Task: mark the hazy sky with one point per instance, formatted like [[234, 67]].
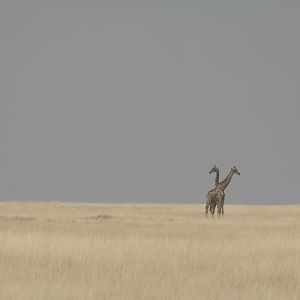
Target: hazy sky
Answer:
[[134, 101]]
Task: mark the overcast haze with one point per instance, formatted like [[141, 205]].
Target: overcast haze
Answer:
[[135, 101]]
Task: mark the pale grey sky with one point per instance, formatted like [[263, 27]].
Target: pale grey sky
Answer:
[[134, 101]]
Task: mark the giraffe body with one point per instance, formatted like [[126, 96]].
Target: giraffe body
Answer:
[[214, 198], [213, 204]]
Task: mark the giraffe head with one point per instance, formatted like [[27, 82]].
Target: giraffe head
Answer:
[[235, 170], [214, 169]]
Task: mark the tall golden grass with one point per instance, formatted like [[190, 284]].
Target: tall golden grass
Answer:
[[94, 251]]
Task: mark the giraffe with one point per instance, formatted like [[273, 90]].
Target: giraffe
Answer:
[[216, 196], [216, 170]]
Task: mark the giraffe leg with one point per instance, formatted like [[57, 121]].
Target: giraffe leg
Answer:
[[219, 213], [223, 206], [213, 207], [208, 203], [219, 206]]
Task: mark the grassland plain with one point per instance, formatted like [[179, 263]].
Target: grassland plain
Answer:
[[147, 251]]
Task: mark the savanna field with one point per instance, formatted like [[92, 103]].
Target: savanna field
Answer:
[[135, 251]]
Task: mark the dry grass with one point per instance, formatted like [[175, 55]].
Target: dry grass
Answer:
[[92, 251]]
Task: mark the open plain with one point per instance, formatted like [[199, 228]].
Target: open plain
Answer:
[[148, 251]]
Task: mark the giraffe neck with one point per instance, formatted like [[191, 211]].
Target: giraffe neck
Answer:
[[217, 177], [227, 180]]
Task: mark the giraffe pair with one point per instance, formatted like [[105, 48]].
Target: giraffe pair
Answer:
[[216, 196]]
